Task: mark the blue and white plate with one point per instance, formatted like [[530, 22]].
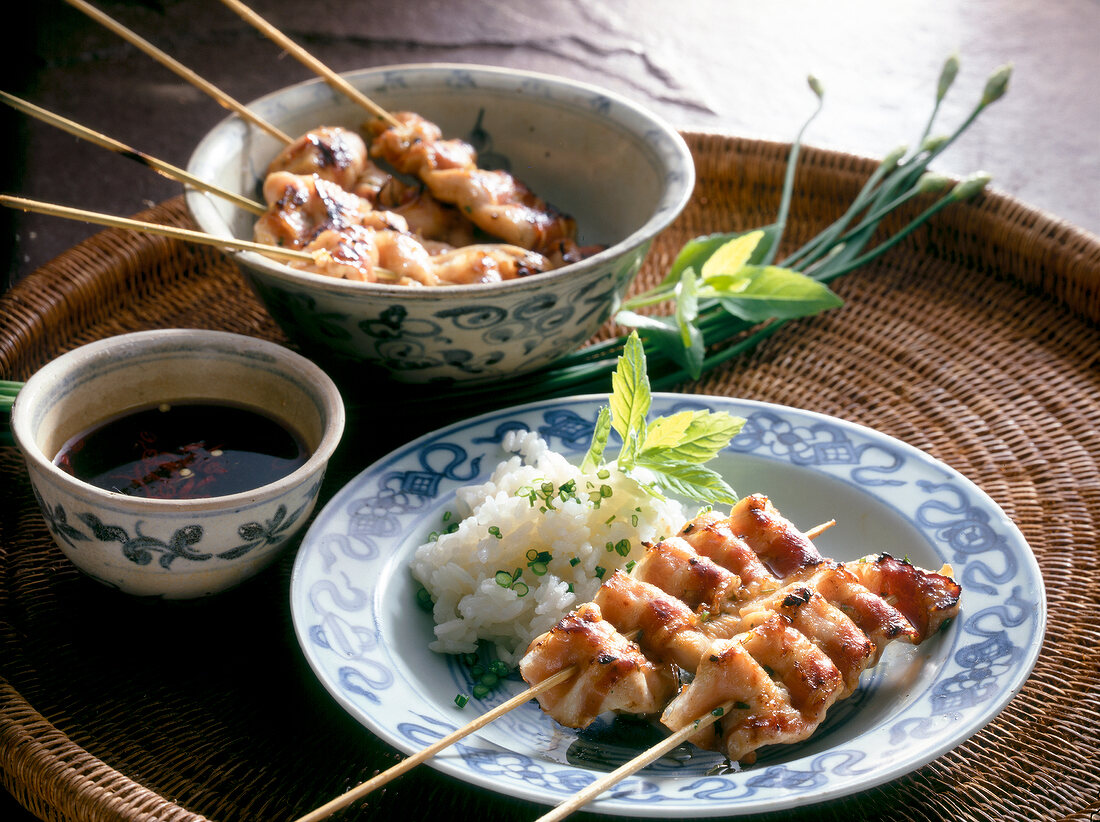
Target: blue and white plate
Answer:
[[354, 607]]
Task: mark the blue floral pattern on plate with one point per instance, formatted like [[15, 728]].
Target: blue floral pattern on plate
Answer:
[[352, 600]]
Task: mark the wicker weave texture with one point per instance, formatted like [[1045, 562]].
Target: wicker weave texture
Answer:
[[976, 340]]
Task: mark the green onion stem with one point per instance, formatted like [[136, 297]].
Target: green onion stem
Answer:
[[829, 235], [890, 242], [788, 178]]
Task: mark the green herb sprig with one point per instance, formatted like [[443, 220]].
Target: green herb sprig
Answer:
[[671, 449]]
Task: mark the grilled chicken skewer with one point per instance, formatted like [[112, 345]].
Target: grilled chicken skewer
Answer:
[[315, 214], [792, 635], [339, 156], [493, 200]]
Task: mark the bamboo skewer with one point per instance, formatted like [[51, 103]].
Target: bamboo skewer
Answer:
[[381, 779], [111, 144], [152, 228], [596, 788], [180, 69], [315, 65], [186, 234], [586, 795]]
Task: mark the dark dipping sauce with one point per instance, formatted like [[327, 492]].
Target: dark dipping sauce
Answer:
[[184, 451]]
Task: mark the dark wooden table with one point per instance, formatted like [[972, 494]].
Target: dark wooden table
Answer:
[[712, 65]]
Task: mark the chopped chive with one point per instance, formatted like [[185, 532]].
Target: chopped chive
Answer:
[[480, 691], [461, 700], [622, 547], [603, 474], [532, 554], [718, 711], [600, 571], [503, 578], [495, 531], [499, 668], [424, 599], [575, 561], [489, 680], [630, 565], [521, 589], [538, 568]]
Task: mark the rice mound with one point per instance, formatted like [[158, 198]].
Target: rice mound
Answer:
[[459, 567]]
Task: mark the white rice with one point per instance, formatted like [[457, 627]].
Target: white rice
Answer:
[[459, 567]]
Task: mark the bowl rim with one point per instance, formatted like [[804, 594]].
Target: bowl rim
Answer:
[[199, 203], [312, 377]]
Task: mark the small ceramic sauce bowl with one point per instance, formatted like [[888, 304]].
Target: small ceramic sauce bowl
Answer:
[[174, 548]]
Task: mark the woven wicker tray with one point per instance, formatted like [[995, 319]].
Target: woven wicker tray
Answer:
[[977, 340]]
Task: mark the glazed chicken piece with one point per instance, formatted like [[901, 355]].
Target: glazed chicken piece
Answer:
[[782, 548], [370, 255], [432, 221], [332, 153], [926, 599], [494, 201], [300, 207], [822, 622], [779, 683], [697, 581], [612, 674], [710, 535], [667, 630], [675, 567], [487, 263]]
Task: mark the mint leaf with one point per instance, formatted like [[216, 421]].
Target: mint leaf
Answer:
[[696, 252], [690, 480], [702, 435], [668, 432], [760, 293], [672, 448], [600, 433], [732, 256], [630, 399]]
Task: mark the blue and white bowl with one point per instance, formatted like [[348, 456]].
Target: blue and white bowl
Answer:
[[619, 170], [175, 549]]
